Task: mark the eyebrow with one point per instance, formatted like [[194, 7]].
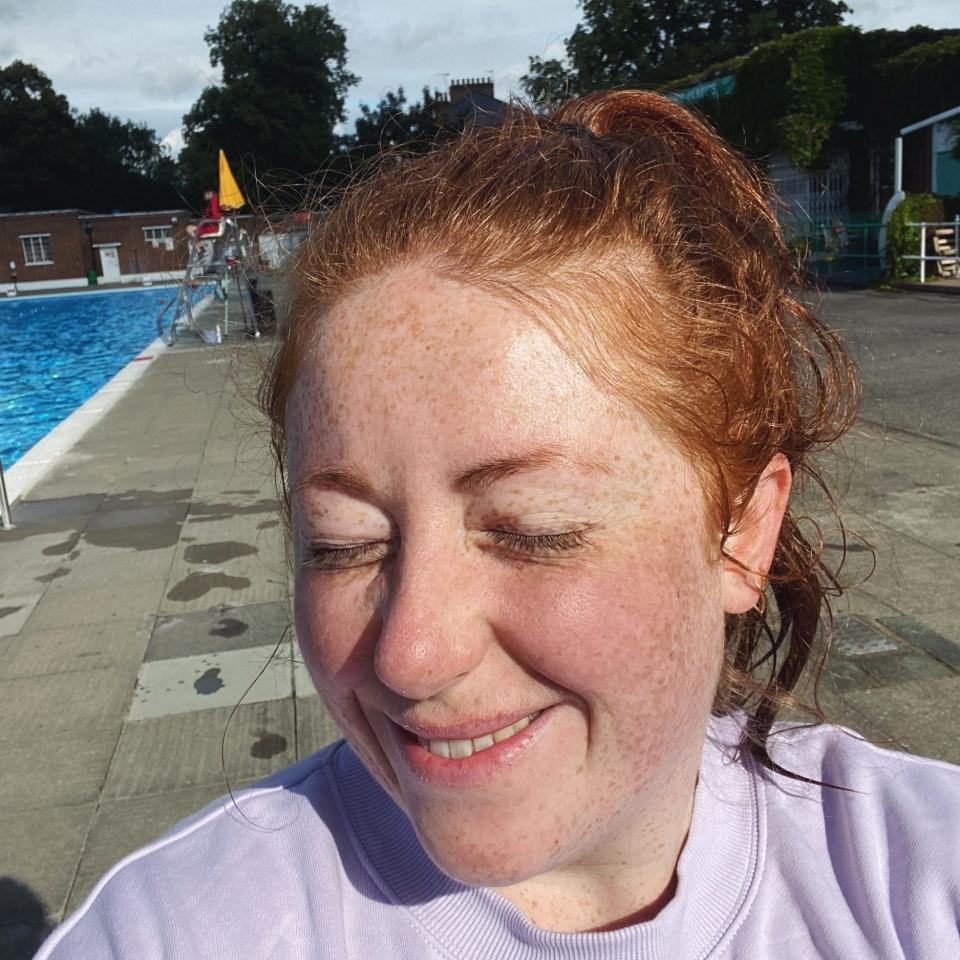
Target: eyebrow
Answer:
[[474, 479], [349, 480], [486, 474]]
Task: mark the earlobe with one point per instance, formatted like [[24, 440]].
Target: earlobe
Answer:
[[750, 548]]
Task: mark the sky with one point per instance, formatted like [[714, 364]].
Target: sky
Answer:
[[147, 61]]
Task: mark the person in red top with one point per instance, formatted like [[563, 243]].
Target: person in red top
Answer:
[[209, 227], [212, 214]]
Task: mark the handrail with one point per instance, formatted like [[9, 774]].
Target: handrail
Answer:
[[5, 520]]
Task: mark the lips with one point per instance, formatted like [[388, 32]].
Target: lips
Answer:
[[461, 748]]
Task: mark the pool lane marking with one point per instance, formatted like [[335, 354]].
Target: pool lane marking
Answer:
[[47, 452]]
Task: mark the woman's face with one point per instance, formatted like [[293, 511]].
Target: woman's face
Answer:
[[506, 591]]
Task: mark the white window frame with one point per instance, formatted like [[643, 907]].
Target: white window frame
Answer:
[[30, 248], [158, 236]]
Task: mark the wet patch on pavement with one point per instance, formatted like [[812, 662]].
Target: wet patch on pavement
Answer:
[[217, 629], [267, 745], [196, 585], [219, 552]]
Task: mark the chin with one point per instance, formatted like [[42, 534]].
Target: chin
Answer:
[[496, 860]]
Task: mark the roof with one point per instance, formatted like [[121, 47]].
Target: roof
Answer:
[[478, 107]]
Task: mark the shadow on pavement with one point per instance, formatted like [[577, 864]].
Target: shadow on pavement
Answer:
[[23, 921]]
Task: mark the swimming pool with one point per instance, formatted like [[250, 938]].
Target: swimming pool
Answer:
[[57, 351]]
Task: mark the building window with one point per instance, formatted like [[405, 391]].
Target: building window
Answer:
[[36, 249], [158, 237]]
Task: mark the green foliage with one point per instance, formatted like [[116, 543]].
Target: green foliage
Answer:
[[792, 94], [283, 83], [816, 92], [395, 123], [789, 95], [901, 239], [38, 136], [919, 82], [655, 41], [125, 166], [549, 82], [51, 158]]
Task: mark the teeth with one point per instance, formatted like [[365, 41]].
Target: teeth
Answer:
[[461, 749]]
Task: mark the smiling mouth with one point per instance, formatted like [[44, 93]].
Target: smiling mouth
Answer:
[[461, 749]]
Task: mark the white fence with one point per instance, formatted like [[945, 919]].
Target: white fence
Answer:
[[944, 237], [811, 198]]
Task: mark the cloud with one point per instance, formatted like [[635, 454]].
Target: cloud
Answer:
[[173, 141], [175, 80]]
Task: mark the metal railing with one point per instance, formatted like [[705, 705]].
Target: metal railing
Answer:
[[924, 257], [5, 520], [841, 247]]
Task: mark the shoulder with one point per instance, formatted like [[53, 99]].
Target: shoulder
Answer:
[[857, 860], [868, 774], [204, 880], [881, 829]]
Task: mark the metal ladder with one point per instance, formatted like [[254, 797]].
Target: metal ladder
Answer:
[[216, 259]]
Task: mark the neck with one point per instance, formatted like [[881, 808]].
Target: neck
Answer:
[[630, 887]]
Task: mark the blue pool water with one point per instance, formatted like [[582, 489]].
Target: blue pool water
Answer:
[[57, 351]]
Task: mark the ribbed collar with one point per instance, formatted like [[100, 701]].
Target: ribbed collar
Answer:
[[717, 873]]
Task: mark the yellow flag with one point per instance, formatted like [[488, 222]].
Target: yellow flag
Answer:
[[230, 196]]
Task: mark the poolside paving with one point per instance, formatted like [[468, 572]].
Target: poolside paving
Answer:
[[144, 594]]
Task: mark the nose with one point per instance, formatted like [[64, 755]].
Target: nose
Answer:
[[433, 631]]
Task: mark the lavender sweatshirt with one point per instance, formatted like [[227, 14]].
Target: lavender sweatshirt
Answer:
[[317, 862]]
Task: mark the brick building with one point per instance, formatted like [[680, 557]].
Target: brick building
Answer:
[[49, 249]]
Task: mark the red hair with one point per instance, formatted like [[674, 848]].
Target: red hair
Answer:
[[653, 252]]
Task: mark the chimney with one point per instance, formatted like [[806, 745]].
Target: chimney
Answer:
[[461, 89]]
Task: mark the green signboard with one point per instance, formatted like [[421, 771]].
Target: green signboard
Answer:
[[717, 87]]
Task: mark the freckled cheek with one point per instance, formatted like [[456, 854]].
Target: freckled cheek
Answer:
[[650, 639], [334, 633]]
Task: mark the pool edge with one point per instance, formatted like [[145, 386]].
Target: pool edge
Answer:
[[47, 452]]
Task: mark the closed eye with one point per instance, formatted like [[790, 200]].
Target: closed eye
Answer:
[[539, 544], [329, 556]]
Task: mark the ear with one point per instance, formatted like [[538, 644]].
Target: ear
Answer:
[[750, 549]]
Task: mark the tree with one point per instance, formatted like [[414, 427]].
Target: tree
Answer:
[[280, 96], [654, 41], [395, 123], [549, 82], [38, 141], [125, 165], [52, 158]]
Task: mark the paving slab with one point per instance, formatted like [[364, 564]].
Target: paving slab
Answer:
[[218, 629], [209, 680], [32, 512], [96, 567], [922, 636], [184, 750], [315, 726], [100, 646], [853, 637], [41, 848], [33, 706], [55, 768], [923, 714], [15, 611], [66, 607]]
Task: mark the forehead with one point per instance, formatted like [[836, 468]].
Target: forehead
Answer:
[[413, 336], [412, 371]]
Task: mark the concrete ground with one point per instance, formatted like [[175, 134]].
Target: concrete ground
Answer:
[[145, 602]]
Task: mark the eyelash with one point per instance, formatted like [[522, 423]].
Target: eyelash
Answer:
[[326, 558], [535, 543]]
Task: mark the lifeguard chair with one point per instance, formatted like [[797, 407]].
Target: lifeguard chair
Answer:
[[216, 259]]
